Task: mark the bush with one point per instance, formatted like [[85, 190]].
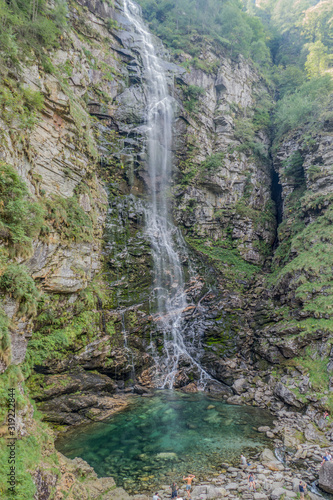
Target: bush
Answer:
[[213, 162], [68, 218], [19, 284], [4, 338], [191, 95], [27, 25], [20, 219], [293, 167], [304, 105], [181, 23]]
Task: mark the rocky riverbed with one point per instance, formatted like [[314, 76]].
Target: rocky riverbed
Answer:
[[297, 448]]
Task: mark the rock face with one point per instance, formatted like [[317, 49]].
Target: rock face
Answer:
[[91, 323], [326, 477], [212, 205]]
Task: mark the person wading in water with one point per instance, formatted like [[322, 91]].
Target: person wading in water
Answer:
[[189, 480]]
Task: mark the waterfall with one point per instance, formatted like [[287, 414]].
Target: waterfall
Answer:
[[169, 287]]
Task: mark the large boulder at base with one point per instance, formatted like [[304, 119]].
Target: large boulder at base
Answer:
[[326, 477]]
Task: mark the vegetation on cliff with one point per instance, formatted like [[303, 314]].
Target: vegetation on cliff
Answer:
[[188, 25], [294, 52]]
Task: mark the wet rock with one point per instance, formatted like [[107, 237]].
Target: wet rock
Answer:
[[190, 388], [215, 387], [81, 408], [166, 456], [51, 386], [313, 496], [234, 400], [139, 389]]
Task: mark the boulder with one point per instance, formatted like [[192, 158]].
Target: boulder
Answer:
[[267, 456], [311, 434], [138, 389], [277, 493], [234, 400], [264, 428], [215, 492], [198, 492], [276, 485], [275, 466], [326, 477], [232, 486], [295, 483], [313, 496], [240, 385], [166, 456], [286, 395]]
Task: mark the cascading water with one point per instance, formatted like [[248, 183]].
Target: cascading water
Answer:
[[169, 289]]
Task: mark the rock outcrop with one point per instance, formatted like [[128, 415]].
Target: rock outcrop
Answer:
[[326, 477], [76, 291]]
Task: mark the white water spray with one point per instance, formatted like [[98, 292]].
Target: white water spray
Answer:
[[169, 290]]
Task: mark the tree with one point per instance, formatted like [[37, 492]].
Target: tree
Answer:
[[318, 59], [318, 23]]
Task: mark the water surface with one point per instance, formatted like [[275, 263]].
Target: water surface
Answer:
[[159, 439]]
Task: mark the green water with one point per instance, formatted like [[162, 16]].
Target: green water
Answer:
[[195, 432]]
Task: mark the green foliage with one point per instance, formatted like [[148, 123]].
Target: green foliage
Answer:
[[191, 96], [112, 24], [303, 259], [245, 132], [20, 219], [61, 329], [288, 79], [4, 337], [302, 46], [181, 23], [66, 216], [16, 281], [29, 448], [302, 106], [212, 163], [19, 107], [227, 260], [317, 23], [293, 168], [28, 24], [318, 60], [313, 172]]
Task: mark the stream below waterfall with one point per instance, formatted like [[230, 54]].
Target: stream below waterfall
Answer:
[[160, 438]]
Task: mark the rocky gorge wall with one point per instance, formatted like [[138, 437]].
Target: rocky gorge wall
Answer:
[[79, 332]]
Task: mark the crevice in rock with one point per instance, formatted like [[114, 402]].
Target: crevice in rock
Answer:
[[276, 193]]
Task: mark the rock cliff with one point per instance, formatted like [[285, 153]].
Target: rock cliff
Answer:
[[75, 263]]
